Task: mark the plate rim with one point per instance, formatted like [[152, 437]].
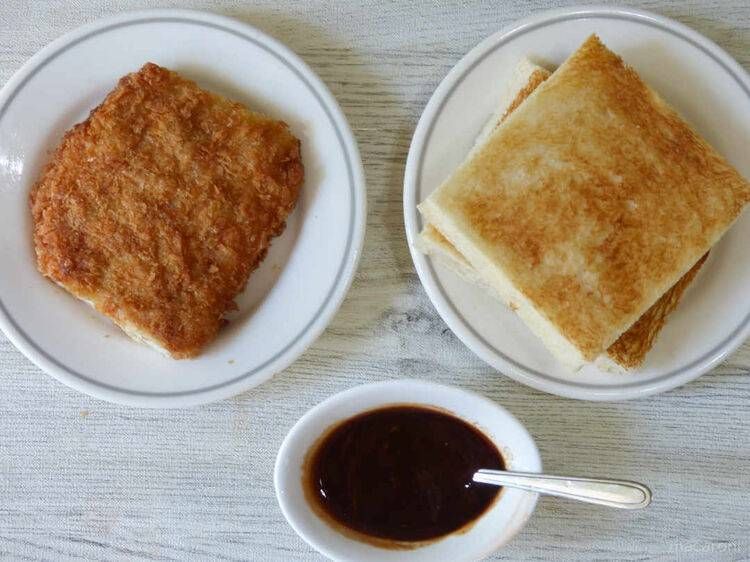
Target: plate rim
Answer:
[[347, 267], [424, 266]]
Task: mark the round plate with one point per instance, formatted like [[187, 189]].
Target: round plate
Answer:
[[289, 300], [703, 83]]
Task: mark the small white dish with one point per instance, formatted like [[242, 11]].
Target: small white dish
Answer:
[[704, 83], [289, 300], [492, 530]]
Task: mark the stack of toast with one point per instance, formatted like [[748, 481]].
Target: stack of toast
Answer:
[[587, 205]]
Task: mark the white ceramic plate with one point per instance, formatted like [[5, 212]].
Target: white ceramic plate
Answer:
[[698, 78], [288, 301], [494, 528]]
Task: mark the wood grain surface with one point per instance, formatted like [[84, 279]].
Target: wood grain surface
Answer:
[[84, 479]]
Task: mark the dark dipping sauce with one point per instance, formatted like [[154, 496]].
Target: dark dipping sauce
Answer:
[[401, 474]]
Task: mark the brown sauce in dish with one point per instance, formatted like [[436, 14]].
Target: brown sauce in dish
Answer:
[[400, 474]]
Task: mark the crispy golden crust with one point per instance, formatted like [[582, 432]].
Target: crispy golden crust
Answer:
[[594, 197], [535, 80], [159, 206], [631, 348]]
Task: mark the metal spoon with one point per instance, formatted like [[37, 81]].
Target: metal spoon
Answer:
[[614, 493]]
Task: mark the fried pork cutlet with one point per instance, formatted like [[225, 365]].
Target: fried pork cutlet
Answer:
[[158, 207]]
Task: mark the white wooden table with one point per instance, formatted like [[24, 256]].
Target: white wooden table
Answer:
[[83, 479]]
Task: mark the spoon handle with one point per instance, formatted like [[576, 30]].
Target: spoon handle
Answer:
[[614, 493]]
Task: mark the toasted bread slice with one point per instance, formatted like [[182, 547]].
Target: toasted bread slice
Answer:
[[433, 243], [587, 204], [156, 209], [524, 80], [630, 349]]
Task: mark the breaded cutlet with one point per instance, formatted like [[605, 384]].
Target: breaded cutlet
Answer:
[[158, 207]]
